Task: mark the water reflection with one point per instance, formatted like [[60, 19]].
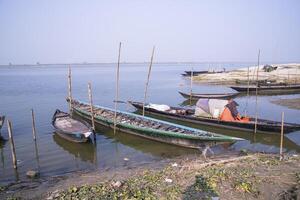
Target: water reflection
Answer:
[[83, 151]]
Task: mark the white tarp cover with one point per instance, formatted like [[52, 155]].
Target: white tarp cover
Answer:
[[210, 107], [160, 107]]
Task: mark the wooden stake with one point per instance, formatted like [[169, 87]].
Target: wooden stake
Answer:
[[281, 135], [147, 82], [248, 75], [12, 144], [117, 88], [70, 90], [191, 86], [256, 93], [92, 108], [33, 125]]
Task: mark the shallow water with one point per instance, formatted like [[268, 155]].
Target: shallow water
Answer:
[[44, 88]]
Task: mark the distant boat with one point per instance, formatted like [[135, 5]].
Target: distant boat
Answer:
[[149, 128], [196, 96], [269, 88], [69, 128], [196, 73], [187, 115]]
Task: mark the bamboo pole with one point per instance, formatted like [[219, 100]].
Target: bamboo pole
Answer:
[[248, 85], [256, 93], [117, 88], [33, 125], [191, 85], [147, 82], [92, 108], [281, 136], [12, 144], [70, 90]]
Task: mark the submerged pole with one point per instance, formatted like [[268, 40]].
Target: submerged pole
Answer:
[[12, 144], [256, 93], [33, 125], [281, 136], [147, 82], [191, 85], [117, 88], [92, 109], [70, 90]]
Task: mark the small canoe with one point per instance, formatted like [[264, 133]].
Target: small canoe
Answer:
[[69, 128], [2, 120], [187, 115], [196, 96], [269, 88], [149, 128]]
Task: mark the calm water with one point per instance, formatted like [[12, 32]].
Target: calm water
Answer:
[[44, 88]]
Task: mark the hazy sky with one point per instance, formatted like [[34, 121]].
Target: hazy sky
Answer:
[[63, 31]]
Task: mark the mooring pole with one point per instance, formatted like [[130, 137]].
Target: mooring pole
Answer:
[[256, 93], [12, 144], [191, 85], [281, 136], [117, 88], [33, 125], [248, 75], [147, 82], [92, 109], [70, 90]]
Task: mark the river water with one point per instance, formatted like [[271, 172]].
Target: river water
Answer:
[[44, 89]]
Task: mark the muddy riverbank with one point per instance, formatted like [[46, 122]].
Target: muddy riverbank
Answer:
[[290, 103], [233, 176]]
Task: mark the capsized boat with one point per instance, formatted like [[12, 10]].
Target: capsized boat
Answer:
[[149, 128], [188, 115], [69, 128], [195, 96]]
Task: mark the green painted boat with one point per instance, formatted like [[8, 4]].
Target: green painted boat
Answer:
[[149, 128]]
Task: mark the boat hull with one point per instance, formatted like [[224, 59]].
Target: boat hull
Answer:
[[75, 135], [184, 140], [276, 89], [195, 96]]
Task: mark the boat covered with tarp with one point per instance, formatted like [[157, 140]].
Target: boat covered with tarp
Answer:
[[215, 113]]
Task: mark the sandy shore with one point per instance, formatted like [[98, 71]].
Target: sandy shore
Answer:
[[288, 73], [232, 176]]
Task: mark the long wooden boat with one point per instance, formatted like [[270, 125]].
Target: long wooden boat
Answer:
[[69, 128], [196, 96], [269, 88], [187, 115], [2, 120], [149, 128]]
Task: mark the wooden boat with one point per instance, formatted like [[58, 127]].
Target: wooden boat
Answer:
[[195, 73], [269, 88], [149, 128], [2, 120], [69, 128], [196, 96], [187, 115]]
